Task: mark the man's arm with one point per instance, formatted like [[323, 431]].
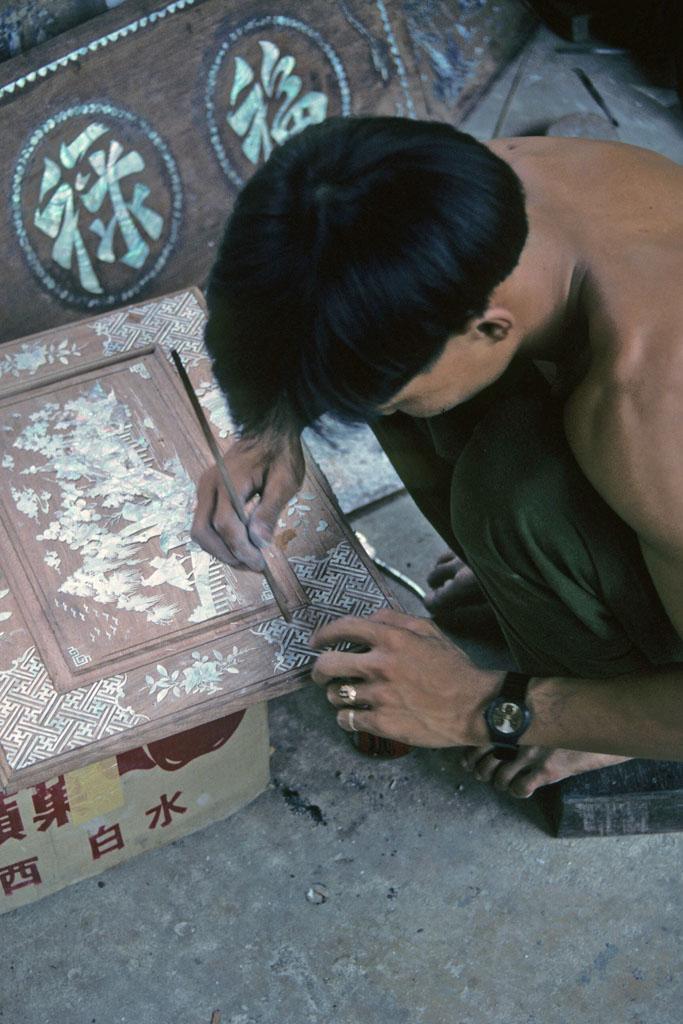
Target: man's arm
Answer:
[[637, 715], [420, 688], [423, 690], [628, 440]]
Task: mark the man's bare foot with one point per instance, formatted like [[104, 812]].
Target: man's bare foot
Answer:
[[453, 585], [458, 605], [533, 767]]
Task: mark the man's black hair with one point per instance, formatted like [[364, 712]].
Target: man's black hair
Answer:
[[350, 257]]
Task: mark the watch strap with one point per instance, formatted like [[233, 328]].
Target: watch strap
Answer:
[[505, 751], [515, 686]]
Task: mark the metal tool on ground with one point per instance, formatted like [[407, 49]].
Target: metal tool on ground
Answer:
[[235, 499], [594, 94], [604, 51], [395, 574]]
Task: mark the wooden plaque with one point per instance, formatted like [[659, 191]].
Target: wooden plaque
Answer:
[[117, 452], [126, 139], [115, 627]]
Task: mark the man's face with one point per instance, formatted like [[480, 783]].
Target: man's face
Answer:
[[467, 365]]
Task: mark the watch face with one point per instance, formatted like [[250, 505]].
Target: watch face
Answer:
[[507, 717]]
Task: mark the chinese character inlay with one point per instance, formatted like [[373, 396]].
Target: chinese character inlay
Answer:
[[97, 204], [74, 188], [250, 121]]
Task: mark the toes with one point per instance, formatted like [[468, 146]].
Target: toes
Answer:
[[526, 783], [518, 777], [440, 575], [445, 569], [480, 761], [487, 767], [471, 755], [532, 768], [507, 771]]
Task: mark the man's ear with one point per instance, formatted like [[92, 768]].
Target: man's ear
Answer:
[[496, 323]]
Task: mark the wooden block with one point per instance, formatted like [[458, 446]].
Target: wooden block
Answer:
[[569, 18], [115, 627], [632, 798]]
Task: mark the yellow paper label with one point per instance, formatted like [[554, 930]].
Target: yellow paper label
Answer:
[[94, 790]]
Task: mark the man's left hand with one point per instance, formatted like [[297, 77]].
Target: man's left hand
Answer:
[[412, 683]]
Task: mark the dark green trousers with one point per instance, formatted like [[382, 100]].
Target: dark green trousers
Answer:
[[563, 573]]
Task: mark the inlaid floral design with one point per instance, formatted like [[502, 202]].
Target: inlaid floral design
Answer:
[[297, 506], [36, 354], [203, 675]]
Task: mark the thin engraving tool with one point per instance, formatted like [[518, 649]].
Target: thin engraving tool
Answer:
[[267, 554]]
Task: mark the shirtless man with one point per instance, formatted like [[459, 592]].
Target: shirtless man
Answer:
[[537, 422]]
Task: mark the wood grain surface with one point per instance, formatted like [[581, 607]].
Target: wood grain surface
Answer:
[[633, 798]]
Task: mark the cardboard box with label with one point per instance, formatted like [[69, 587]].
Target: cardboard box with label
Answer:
[[80, 823]]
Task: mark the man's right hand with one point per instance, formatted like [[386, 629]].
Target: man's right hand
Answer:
[[271, 468]]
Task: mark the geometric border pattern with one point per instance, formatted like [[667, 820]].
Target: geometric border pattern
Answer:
[[74, 56], [336, 584], [97, 44], [36, 722], [175, 321]]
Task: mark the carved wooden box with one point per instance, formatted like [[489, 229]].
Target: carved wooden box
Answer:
[[114, 624]]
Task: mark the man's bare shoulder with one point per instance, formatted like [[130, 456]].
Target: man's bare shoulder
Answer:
[[623, 423], [602, 193], [627, 435]]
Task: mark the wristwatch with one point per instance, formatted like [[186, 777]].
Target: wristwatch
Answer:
[[508, 716]]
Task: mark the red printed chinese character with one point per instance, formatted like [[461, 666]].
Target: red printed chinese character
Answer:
[[166, 807], [11, 825], [106, 839], [24, 870], [51, 804]]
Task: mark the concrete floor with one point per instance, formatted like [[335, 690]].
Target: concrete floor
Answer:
[[447, 902]]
